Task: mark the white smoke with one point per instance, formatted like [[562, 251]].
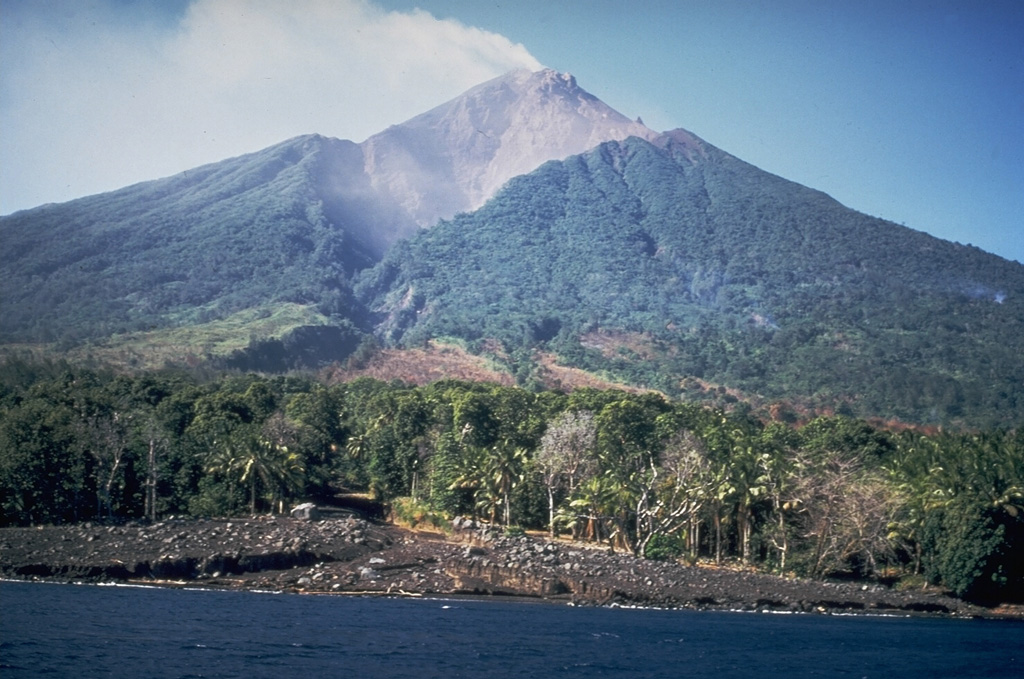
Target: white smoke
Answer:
[[97, 95]]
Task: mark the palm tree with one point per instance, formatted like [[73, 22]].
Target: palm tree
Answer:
[[505, 467], [280, 471], [593, 502], [745, 485], [251, 459], [468, 473]]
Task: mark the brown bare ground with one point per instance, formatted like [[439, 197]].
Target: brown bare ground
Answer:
[[564, 378], [421, 366], [609, 343]]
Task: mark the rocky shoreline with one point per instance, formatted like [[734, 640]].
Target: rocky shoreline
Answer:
[[350, 555]]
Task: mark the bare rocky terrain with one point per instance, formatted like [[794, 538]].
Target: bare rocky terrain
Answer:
[[349, 555]]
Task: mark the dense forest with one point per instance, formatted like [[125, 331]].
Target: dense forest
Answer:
[[661, 478], [644, 263]]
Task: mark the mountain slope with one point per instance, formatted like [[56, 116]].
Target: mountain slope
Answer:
[[289, 224], [242, 233], [454, 157], [658, 259], [671, 260]]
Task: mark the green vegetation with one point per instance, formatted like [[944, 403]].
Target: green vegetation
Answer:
[[746, 305], [204, 246], [233, 336], [673, 267], [659, 478], [720, 272]]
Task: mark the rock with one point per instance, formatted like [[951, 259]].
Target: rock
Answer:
[[230, 554], [307, 511]]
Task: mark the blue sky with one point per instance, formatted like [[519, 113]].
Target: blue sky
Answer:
[[908, 110]]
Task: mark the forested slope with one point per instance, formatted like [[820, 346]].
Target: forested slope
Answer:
[[717, 270], [253, 231]]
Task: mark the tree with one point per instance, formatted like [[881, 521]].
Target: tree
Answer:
[[392, 433], [155, 437], [745, 486], [675, 491], [967, 493], [253, 459], [845, 514], [104, 436], [43, 477], [720, 434], [970, 551], [503, 472], [779, 469], [566, 455], [627, 440], [852, 437], [321, 410], [445, 490], [467, 473], [594, 503]]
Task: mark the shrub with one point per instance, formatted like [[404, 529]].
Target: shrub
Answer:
[[414, 514], [970, 552], [664, 548]]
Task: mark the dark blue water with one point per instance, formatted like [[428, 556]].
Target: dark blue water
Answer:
[[89, 631]]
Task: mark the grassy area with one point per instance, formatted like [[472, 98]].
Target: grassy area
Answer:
[[188, 344]]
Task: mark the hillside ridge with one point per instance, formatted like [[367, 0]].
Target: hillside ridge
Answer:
[[738, 277], [551, 217]]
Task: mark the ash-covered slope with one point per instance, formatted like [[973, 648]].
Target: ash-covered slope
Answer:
[[672, 264], [455, 157]]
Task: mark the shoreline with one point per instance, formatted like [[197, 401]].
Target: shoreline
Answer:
[[355, 557], [524, 600], [477, 598]]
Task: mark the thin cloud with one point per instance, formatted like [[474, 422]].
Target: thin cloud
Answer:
[[94, 99]]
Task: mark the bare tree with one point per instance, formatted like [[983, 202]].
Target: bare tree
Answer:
[[872, 509], [844, 514], [780, 470], [566, 456], [105, 437], [156, 440], [674, 491]]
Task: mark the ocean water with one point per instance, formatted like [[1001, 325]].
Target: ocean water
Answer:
[[82, 631]]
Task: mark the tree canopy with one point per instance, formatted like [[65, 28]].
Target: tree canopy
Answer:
[[636, 472]]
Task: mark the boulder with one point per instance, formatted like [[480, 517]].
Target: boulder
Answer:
[[307, 511]]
